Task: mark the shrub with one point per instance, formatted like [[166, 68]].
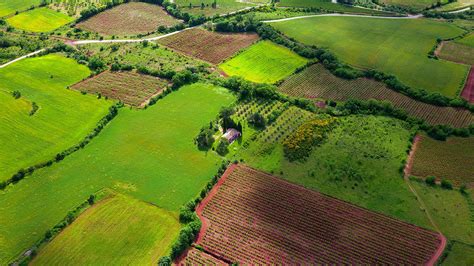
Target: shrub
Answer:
[[257, 120], [446, 184], [16, 94], [431, 180], [164, 261], [205, 138], [222, 147]]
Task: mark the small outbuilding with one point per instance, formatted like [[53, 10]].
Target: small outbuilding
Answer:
[[231, 134]]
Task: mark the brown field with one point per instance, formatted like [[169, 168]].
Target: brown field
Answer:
[[209, 46], [128, 19], [129, 87], [254, 218], [452, 159], [457, 52], [194, 256], [468, 90], [317, 82]]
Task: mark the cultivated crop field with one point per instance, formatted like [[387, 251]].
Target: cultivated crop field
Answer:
[[63, 117], [197, 257], [263, 62], [209, 46], [393, 46], [451, 159], [129, 19], [150, 164], [457, 52], [418, 4], [468, 91], [96, 237], [223, 6], [252, 214], [127, 86], [39, 20], [9, 7], [317, 82], [329, 5]]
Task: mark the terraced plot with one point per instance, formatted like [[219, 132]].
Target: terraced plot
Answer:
[[142, 153], [394, 46], [118, 230], [39, 20], [63, 119], [129, 18], [264, 62], [256, 218], [209, 46], [129, 87], [451, 159], [317, 82]]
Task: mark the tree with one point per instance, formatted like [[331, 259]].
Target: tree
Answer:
[[16, 94], [430, 180], [95, 63], [164, 261], [205, 138], [203, 5], [446, 184], [257, 120], [222, 148]]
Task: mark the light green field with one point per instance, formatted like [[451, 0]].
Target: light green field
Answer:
[[394, 46], [359, 162], [468, 40], [39, 20], [116, 231], [450, 210], [142, 153], [460, 255], [417, 4], [223, 6], [328, 5], [8, 7], [458, 4], [263, 62], [63, 119]]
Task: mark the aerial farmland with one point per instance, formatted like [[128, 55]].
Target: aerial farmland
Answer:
[[229, 132]]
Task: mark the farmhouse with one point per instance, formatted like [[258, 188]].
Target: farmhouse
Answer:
[[231, 134]]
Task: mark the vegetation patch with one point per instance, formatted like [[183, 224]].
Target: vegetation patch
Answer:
[[317, 82], [118, 230], [393, 46], [253, 207], [264, 62], [39, 20], [63, 119], [150, 164], [127, 86], [460, 254], [130, 18], [451, 159], [208, 45]]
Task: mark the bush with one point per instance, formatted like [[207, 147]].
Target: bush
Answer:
[[205, 138], [222, 147], [16, 94], [431, 180], [164, 261], [257, 120], [446, 184]]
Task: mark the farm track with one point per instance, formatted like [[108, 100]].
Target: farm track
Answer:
[[21, 58], [248, 205]]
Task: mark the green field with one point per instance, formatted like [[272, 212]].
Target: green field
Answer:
[[149, 154], [394, 46], [467, 40], [223, 6], [263, 62], [328, 5], [359, 162], [450, 211], [8, 7], [417, 4], [63, 119], [118, 230], [456, 52], [456, 5], [460, 255], [39, 20]]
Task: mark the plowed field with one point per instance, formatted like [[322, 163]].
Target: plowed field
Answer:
[[254, 218]]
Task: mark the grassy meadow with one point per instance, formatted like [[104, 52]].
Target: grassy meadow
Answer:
[[63, 119], [118, 230], [328, 5], [467, 40], [151, 164], [8, 7], [263, 62], [417, 4], [460, 255], [39, 20], [394, 46], [359, 162]]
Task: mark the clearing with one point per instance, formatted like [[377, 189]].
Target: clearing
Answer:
[[39, 20], [118, 230], [150, 164], [256, 218], [63, 119], [263, 62], [317, 82], [451, 159], [129, 19], [128, 86], [207, 45], [394, 46]]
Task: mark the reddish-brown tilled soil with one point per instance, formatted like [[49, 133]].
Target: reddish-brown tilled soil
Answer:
[[468, 91], [209, 46], [129, 87], [255, 218], [128, 19], [194, 256]]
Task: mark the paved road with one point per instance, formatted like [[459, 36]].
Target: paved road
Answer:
[[460, 10], [341, 15], [20, 58]]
